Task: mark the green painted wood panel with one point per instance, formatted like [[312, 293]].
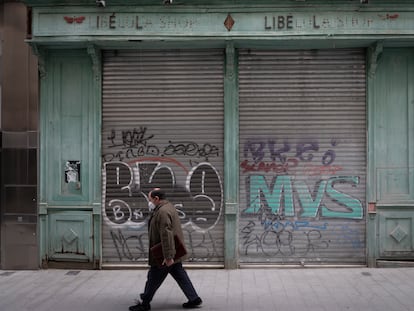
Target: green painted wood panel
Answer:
[[396, 233], [392, 127], [231, 156], [225, 3], [70, 118], [71, 236], [224, 23], [68, 130], [283, 24]]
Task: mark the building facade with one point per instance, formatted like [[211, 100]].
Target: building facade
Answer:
[[19, 141], [281, 130]]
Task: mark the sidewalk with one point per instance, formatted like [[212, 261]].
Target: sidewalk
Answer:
[[322, 289]]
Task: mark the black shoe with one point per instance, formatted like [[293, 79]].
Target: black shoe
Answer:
[[140, 307], [193, 304]]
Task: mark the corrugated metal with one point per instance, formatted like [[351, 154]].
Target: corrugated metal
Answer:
[[302, 156], [162, 126]]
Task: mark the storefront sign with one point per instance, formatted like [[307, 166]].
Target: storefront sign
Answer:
[[222, 24]]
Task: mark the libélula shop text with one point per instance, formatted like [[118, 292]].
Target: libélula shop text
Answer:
[[269, 22]]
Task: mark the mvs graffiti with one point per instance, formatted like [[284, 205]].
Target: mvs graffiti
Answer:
[[280, 175], [283, 189]]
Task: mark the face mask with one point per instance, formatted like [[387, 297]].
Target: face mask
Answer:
[[151, 206]]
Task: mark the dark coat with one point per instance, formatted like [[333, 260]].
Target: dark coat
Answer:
[[163, 225]]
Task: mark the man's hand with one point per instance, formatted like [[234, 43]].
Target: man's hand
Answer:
[[168, 262]]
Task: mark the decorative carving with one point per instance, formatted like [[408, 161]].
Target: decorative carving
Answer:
[[71, 20], [229, 22], [374, 54], [398, 234], [389, 16], [96, 61], [41, 63], [70, 235]]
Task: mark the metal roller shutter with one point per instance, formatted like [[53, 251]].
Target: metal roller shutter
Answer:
[[302, 156], [162, 127]]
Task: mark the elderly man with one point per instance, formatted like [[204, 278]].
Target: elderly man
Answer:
[[163, 226]]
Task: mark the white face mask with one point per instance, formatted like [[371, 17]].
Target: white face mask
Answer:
[[151, 206]]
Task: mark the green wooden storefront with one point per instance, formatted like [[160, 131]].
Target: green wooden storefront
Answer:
[[282, 129]]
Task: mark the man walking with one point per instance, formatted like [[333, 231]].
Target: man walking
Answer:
[[163, 225]]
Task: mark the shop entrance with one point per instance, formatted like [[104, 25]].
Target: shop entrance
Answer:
[[162, 127], [302, 157]]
